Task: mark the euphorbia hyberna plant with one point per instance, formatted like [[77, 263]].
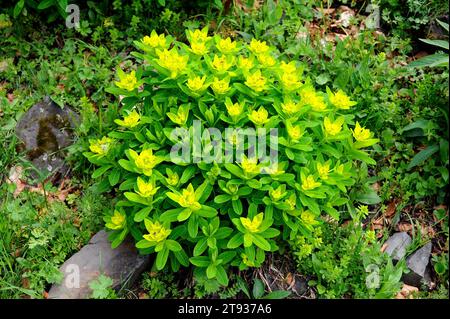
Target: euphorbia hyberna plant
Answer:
[[217, 215]]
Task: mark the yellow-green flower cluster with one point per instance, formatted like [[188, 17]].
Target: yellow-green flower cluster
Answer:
[[101, 146], [156, 232], [173, 61]]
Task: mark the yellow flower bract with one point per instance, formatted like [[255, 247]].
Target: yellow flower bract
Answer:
[[333, 128], [259, 117], [258, 47], [309, 183], [220, 86], [223, 63], [250, 165], [146, 189], [226, 46], [172, 61], [127, 81], [340, 100], [196, 84], [187, 198], [360, 133], [146, 161], [118, 221], [130, 121], [252, 225], [156, 232], [256, 81], [101, 146], [155, 40]]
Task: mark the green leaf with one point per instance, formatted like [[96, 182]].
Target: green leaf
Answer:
[[237, 206], [211, 271], [362, 156], [235, 170], [235, 241], [437, 43], [223, 198], [185, 214], [258, 289], [277, 294], [100, 171], [417, 125], [443, 24], [170, 215], [173, 245], [200, 247], [142, 214], [193, 227], [437, 59], [161, 258], [127, 165], [423, 155], [114, 177], [369, 198], [45, 4], [206, 211], [18, 8], [142, 244], [221, 276], [270, 233], [200, 261], [261, 242], [133, 197], [182, 257], [119, 239], [187, 174], [101, 287], [201, 190]]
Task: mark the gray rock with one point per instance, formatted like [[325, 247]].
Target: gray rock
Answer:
[[122, 264], [45, 130], [397, 244], [300, 286], [418, 266]]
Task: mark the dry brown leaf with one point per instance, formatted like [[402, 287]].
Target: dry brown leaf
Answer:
[[390, 210], [289, 279], [404, 227], [376, 186], [406, 292], [15, 175], [142, 295]]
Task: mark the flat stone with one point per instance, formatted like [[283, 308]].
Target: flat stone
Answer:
[[45, 131], [418, 266], [396, 245], [300, 286], [122, 264]]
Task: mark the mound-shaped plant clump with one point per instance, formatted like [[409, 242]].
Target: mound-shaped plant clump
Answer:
[[224, 201]]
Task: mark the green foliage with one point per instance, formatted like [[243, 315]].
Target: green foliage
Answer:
[[346, 260], [216, 215], [436, 59], [408, 16], [258, 292], [102, 288], [160, 285], [21, 6], [440, 264], [38, 236]]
